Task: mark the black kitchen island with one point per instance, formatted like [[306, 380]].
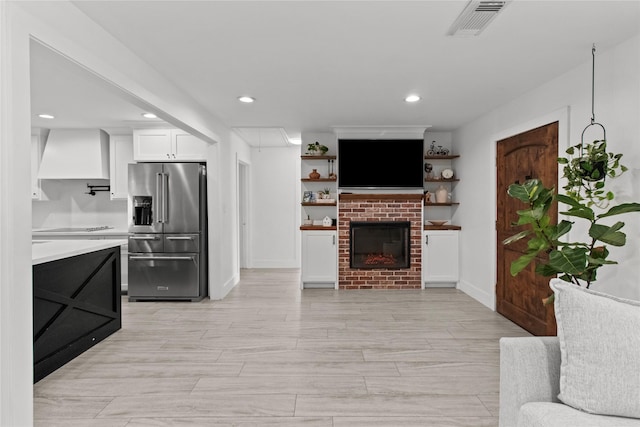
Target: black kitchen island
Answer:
[[76, 299]]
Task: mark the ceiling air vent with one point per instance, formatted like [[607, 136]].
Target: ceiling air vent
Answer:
[[475, 17]]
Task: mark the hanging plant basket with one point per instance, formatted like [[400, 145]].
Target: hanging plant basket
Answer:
[[592, 171]]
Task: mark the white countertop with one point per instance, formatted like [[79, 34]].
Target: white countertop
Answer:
[[39, 233], [50, 250]]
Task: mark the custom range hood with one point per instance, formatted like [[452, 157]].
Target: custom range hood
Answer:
[[75, 154]]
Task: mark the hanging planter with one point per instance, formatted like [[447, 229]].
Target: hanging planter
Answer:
[[592, 170]]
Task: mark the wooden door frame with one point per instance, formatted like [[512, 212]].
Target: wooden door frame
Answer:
[[562, 117]]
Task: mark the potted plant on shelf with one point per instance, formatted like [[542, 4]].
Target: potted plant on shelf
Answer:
[[326, 193], [586, 169], [317, 149]]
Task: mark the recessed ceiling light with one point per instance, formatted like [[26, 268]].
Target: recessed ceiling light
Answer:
[[246, 99], [149, 116], [412, 98], [46, 116]]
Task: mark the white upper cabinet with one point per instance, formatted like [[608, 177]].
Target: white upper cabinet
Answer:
[[120, 155], [152, 144], [166, 145], [187, 147]]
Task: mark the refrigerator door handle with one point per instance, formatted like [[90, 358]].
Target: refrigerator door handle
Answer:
[[165, 197], [144, 238], [179, 238], [160, 258], [159, 195]]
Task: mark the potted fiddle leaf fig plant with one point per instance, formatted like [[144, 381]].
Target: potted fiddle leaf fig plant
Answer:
[[586, 169]]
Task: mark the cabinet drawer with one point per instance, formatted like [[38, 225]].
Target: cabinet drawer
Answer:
[[163, 276], [145, 243], [181, 243]]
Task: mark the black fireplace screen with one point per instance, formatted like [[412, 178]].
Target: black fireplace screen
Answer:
[[377, 244]]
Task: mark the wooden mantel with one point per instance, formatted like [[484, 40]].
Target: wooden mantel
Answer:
[[362, 196]]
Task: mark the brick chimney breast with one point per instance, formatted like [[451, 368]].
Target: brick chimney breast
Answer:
[[380, 207]]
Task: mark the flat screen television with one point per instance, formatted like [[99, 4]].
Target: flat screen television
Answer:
[[380, 163]]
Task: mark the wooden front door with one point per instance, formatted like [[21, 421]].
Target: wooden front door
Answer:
[[531, 154]]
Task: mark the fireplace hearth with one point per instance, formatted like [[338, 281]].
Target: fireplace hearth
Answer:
[[379, 244]]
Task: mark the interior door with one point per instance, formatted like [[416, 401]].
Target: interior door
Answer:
[[531, 154]]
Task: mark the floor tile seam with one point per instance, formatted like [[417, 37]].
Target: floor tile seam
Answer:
[[97, 415], [130, 363], [485, 405], [40, 393]]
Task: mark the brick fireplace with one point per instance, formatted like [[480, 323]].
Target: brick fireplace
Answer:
[[380, 208]]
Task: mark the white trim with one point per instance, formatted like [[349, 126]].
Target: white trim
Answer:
[[560, 115], [380, 132], [485, 298], [243, 209], [16, 297]]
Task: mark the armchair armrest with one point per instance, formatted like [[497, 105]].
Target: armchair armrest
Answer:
[[529, 372]]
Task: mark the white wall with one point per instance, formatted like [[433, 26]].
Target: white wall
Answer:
[[617, 107], [68, 205], [275, 207]]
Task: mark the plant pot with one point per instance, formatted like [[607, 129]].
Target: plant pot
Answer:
[[592, 171]]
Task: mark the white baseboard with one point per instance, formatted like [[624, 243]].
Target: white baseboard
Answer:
[[225, 289], [278, 263], [440, 285], [478, 294]]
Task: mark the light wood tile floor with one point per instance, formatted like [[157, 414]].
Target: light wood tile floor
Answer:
[[270, 354]]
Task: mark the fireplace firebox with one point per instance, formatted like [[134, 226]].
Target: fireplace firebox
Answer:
[[379, 244]]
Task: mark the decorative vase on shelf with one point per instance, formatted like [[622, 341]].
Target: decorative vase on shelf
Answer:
[[314, 174], [441, 194]]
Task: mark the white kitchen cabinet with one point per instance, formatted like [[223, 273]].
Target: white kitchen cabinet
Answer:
[[38, 140], [319, 259], [120, 155], [167, 145], [36, 156], [187, 147], [440, 258]]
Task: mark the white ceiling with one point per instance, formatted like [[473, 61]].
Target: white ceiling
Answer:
[[316, 65]]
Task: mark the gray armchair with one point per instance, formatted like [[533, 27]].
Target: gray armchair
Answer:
[[530, 384]]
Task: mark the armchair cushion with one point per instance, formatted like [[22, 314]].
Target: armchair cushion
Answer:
[[529, 372], [547, 414], [600, 350]]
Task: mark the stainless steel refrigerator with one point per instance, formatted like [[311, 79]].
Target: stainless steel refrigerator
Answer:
[[167, 208]]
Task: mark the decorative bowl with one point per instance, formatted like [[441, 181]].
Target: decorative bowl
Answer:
[[438, 222]]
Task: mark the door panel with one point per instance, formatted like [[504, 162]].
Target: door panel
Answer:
[[144, 192], [531, 154], [182, 193], [145, 243], [181, 243], [163, 276]]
